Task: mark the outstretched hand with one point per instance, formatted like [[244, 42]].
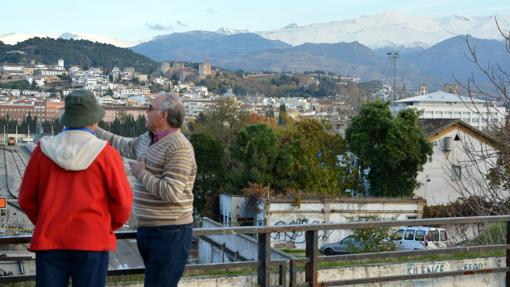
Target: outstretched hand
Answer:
[[137, 166]]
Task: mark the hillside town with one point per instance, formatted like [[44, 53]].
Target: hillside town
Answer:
[[128, 91]]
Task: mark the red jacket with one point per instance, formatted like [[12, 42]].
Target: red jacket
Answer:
[[76, 210]]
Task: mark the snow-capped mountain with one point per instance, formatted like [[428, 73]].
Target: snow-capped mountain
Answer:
[[392, 29], [230, 31], [13, 38]]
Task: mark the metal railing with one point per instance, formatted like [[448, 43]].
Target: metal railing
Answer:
[[312, 258]]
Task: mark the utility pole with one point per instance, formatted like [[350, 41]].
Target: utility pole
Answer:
[[393, 55]]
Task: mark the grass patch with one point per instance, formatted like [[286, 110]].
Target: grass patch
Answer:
[[293, 251], [122, 280]]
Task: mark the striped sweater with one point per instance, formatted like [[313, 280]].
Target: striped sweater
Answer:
[[163, 191]]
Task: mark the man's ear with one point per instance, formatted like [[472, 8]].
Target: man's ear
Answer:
[[164, 115]]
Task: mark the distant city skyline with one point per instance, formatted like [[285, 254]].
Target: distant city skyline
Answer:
[[142, 20]]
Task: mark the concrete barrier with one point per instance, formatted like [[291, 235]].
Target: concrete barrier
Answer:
[[376, 270]]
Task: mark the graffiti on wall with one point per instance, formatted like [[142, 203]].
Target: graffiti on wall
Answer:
[[298, 236], [470, 266], [437, 267], [434, 267]]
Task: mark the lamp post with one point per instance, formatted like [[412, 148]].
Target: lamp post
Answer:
[[393, 56], [427, 180]]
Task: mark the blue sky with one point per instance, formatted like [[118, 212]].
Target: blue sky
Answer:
[[139, 20]]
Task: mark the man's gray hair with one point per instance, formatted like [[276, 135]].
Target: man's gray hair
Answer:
[[172, 104]]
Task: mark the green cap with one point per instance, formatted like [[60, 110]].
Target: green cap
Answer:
[[81, 109]]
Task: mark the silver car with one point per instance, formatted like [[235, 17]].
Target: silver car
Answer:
[[344, 246]]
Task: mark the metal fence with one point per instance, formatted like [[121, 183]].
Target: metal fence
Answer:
[[312, 259]]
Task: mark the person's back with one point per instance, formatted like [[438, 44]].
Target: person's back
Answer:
[[73, 202], [76, 193]]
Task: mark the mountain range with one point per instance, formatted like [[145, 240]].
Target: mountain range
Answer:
[[432, 50], [380, 31], [392, 30], [441, 63]]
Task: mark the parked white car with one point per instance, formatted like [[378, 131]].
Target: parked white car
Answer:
[[419, 238]]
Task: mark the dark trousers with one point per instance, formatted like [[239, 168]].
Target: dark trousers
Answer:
[[86, 268], [164, 251]]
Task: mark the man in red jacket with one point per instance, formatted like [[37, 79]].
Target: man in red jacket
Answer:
[[76, 193]]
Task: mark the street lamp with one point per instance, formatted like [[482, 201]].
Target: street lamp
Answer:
[[427, 180]]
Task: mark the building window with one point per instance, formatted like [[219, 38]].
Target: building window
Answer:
[[456, 172]]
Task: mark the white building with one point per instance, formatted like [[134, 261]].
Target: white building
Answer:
[[194, 107], [12, 68], [442, 105], [462, 156], [53, 72]]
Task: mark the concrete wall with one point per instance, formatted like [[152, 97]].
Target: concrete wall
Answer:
[[334, 274], [346, 273], [415, 268]]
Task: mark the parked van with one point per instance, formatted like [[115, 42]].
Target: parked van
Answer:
[[419, 238]]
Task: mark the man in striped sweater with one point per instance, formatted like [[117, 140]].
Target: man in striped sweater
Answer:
[[165, 169]]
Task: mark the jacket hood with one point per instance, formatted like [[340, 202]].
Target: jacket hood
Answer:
[[72, 150]]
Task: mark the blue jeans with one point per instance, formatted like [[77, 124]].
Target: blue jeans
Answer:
[[164, 251], [86, 268]]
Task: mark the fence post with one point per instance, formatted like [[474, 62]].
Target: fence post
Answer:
[[292, 273], [283, 274], [312, 245], [507, 253], [264, 271]]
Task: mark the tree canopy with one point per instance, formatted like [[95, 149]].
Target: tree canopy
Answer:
[[392, 149], [256, 157], [315, 151]]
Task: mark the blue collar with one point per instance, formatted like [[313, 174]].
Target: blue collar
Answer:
[[80, 129]]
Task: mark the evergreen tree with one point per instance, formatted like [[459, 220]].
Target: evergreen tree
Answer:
[[256, 157], [210, 158], [392, 149]]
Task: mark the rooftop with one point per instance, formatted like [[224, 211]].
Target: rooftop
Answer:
[[441, 96]]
